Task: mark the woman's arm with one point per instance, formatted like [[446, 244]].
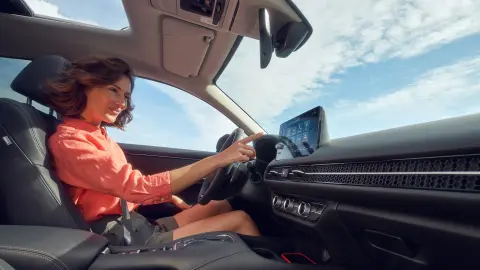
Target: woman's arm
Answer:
[[184, 177], [81, 164]]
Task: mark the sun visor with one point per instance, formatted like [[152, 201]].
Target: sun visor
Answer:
[[185, 46]]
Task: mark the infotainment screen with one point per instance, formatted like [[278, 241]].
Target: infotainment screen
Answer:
[[301, 134]]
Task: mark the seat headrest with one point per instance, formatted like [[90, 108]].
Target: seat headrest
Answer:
[[29, 82]]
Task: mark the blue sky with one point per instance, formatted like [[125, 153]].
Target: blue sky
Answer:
[[372, 65]]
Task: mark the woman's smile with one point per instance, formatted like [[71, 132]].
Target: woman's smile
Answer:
[[115, 111]]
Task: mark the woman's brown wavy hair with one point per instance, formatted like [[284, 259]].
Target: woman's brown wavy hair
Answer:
[[68, 91]]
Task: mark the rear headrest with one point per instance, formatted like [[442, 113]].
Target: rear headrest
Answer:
[[29, 82]]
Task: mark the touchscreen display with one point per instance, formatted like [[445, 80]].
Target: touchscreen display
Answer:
[[301, 134]]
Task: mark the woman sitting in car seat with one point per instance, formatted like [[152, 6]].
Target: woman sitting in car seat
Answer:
[[96, 93]]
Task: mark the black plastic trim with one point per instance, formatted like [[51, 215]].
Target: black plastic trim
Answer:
[[431, 243], [234, 16], [18, 7], [425, 202], [163, 152], [457, 173], [304, 20]]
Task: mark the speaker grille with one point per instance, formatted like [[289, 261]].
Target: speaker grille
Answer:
[[443, 173]]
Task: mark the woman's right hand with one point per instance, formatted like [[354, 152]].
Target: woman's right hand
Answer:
[[184, 177], [239, 151]]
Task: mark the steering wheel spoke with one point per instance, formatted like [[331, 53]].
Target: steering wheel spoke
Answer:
[[226, 181]]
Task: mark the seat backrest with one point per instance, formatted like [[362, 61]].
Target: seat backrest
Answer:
[[30, 192]]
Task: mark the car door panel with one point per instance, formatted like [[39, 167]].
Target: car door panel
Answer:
[[151, 160], [412, 241], [408, 197]]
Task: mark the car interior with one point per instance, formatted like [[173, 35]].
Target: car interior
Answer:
[[403, 198]]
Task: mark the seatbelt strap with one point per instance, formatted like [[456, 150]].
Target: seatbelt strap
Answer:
[[143, 230], [127, 223]]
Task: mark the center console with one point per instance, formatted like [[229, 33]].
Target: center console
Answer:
[[35, 247], [217, 250]]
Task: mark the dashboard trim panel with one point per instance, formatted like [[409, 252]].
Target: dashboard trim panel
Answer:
[[392, 173], [445, 173]]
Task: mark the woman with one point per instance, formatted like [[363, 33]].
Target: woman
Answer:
[[96, 93]]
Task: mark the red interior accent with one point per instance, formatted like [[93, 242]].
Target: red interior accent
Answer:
[[284, 256]]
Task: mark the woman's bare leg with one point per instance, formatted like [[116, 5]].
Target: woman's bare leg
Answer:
[[236, 221], [199, 212]]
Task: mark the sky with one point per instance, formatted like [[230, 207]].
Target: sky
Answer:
[[372, 65]]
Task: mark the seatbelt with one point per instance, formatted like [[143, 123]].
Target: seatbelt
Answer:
[[127, 223], [142, 231]]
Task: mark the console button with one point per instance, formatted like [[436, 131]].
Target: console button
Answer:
[[277, 202], [288, 205], [304, 209], [294, 210], [315, 212]]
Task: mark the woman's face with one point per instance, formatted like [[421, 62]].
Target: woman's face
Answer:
[[105, 103]]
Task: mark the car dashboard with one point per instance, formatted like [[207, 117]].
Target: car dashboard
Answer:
[[404, 197]]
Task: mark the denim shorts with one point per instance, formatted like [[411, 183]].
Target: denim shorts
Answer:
[[158, 233], [166, 226]]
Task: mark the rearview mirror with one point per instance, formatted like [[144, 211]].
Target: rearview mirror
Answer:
[[266, 43], [287, 36]]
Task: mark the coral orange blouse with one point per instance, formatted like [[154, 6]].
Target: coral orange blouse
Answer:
[[95, 168]]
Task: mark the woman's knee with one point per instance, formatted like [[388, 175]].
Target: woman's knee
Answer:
[[244, 224], [242, 217], [221, 207]]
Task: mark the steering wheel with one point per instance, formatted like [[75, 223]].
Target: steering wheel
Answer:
[[216, 182]]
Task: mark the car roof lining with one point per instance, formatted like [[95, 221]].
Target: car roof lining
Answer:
[[142, 44]]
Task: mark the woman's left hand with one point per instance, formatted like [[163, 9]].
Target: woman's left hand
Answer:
[[180, 203]]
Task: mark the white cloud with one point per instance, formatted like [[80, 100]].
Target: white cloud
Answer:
[[346, 34], [443, 92], [209, 123], [45, 8]]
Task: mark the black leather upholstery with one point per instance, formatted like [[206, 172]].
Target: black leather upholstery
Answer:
[[30, 193], [33, 247], [221, 142], [201, 255], [30, 80]]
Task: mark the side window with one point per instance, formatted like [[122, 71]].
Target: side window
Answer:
[[9, 68], [168, 117]]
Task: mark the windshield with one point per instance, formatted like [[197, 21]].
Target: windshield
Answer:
[[372, 66]]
